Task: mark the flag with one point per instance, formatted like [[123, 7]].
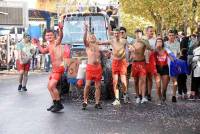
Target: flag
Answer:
[[178, 66]]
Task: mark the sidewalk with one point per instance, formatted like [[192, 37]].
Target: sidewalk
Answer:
[[5, 74]]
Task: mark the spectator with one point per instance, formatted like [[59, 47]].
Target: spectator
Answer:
[[195, 73], [173, 46], [182, 78]]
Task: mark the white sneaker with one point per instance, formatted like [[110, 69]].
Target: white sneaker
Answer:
[[116, 102], [144, 100], [138, 100]]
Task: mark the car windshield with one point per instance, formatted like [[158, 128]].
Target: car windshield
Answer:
[[74, 28]]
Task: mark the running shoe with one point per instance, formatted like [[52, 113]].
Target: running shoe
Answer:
[[116, 102], [144, 100], [98, 106], [138, 100], [51, 107], [57, 108], [174, 99], [84, 105], [19, 87], [192, 97], [24, 89], [149, 97]]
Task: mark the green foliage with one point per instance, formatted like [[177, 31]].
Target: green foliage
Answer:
[[163, 13]]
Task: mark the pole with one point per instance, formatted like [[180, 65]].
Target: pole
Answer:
[[8, 52]]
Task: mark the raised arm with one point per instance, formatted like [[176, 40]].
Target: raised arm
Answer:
[[60, 30], [86, 43], [107, 42]]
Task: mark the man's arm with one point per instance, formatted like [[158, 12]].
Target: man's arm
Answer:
[[107, 42], [60, 30], [178, 49], [86, 43], [148, 46], [41, 49]]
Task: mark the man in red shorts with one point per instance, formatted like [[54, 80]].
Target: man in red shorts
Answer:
[[93, 69], [139, 68], [119, 64], [150, 60], [25, 52], [59, 58]]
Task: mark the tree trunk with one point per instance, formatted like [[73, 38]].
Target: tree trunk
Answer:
[[158, 21], [158, 24]]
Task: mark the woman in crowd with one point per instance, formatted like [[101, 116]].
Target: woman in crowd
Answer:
[[161, 58]]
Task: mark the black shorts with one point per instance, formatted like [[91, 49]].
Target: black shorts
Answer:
[[162, 70]]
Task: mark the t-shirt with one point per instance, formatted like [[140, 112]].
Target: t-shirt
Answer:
[[25, 49], [173, 47], [152, 42], [196, 53], [161, 59]]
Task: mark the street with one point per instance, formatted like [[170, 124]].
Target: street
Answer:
[[25, 113]]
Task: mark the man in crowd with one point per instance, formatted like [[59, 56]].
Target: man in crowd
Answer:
[[119, 64], [124, 36], [58, 59], [93, 69], [173, 46], [25, 51], [151, 70], [139, 68]]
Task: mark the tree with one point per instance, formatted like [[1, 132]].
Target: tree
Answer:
[[132, 22], [165, 14]]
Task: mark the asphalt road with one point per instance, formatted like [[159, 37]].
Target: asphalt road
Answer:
[[25, 113]]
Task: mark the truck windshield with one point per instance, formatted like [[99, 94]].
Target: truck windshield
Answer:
[[74, 28]]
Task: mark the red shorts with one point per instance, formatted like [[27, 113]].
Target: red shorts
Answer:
[[57, 73], [94, 72], [139, 69], [151, 66], [24, 67], [119, 67]]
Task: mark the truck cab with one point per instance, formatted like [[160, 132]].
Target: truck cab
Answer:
[[73, 33]]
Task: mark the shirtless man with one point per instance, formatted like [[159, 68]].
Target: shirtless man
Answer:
[[119, 64], [58, 57], [139, 68], [93, 69]]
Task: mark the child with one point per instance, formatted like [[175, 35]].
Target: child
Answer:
[[182, 78]]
